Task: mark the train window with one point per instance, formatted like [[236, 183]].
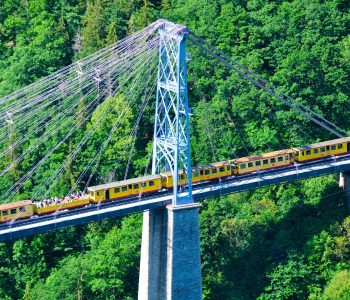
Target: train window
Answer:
[[136, 186], [116, 190], [22, 209], [5, 213], [182, 177], [308, 152], [214, 171], [273, 160], [302, 153], [322, 149], [143, 184], [13, 211], [297, 153], [201, 172], [280, 158], [222, 169], [207, 172], [250, 165], [265, 161], [333, 147], [151, 183], [258, 163], [287, 157], [315, 151], [124, 188], [98, 193], [228, 168], [195, 174], [327, 148], [242, 166], [340, 146]]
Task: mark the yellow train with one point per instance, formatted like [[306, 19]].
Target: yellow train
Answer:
[[154, 183]]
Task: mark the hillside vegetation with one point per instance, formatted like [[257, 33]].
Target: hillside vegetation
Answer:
[[290, 241]]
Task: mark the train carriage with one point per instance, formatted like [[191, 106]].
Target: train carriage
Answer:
[[206, 172], [20, 210], [213, 171], [125, 188], [264, 161], [323, 149], [65, 204]]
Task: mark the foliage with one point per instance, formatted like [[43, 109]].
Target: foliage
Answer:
[[338, 287], [108, 270], [289, 241], [289, 280]]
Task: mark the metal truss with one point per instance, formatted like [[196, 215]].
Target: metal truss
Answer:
[[171, 143]]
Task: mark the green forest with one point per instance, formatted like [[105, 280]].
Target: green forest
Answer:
[[290, 241]]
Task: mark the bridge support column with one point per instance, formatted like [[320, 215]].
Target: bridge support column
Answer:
[[184, 279], [170, 254], [344, 182], [152, 279]]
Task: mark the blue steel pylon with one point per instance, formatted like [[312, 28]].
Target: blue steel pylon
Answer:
[[171, 142]]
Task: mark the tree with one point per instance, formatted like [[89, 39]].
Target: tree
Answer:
[[63, 283], [44, 53], [289, 280], [107, 271], [338, 287], [112, 36], [93, 31], [142, 17]]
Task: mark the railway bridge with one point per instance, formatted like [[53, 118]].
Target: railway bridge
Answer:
[[170, 255]]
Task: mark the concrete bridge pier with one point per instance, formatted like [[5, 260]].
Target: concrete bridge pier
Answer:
[[170, 254], [153, 255], [344, 182]]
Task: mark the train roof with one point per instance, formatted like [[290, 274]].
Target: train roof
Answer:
[[123, 182], [202, 167], [15, 204], [263, 156], [323, 144]]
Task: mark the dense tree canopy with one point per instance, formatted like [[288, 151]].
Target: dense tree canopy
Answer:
[[289, 241]]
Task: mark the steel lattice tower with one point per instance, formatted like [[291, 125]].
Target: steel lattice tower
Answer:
[[171, 149]]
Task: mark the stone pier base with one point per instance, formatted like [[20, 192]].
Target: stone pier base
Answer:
[[152, 279], [170, 254]]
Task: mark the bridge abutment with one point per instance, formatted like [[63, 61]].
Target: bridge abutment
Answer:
[[170, 254]]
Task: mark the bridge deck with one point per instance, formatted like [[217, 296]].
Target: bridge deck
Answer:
[[22, 228]]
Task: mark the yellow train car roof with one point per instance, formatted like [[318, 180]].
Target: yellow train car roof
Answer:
[[123, 182], [323, 144], [263, 156], [15, 204], [202, 167]]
